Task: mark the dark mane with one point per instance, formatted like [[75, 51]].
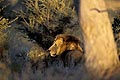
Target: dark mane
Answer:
[[68, 38]]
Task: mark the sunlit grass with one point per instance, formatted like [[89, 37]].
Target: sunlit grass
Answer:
[[44, 11]]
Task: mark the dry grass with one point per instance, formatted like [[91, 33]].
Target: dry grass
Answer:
[[3, 26], [37, 53], [42, 11]]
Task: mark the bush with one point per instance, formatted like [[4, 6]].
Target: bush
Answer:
[[47, 12], [3, 26]]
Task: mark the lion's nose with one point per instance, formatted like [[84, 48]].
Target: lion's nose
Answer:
[[51, 53]]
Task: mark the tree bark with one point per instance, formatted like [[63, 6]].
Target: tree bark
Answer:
[[100, 48]]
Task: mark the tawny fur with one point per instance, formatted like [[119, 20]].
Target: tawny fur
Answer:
[[64, 42]]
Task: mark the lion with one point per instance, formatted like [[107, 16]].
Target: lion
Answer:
[[68, 48], [64, 42]]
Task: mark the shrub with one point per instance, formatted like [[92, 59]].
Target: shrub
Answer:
[[47, 12], [37, 53], [3, 26]]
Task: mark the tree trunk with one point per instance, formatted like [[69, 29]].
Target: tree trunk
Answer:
[[100, 48]]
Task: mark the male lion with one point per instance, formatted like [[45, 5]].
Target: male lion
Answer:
[[64, 42], [68, 48]]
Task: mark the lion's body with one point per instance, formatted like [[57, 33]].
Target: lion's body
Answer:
[[71, 58]]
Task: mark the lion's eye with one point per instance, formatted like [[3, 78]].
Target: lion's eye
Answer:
[[55, 44]]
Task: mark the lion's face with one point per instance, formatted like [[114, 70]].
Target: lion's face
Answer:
[[59, 46]]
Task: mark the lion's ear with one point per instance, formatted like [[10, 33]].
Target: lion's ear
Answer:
[[79, 48], [71, 46]]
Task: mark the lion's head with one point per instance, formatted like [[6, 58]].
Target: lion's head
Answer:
[[64, 42]]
